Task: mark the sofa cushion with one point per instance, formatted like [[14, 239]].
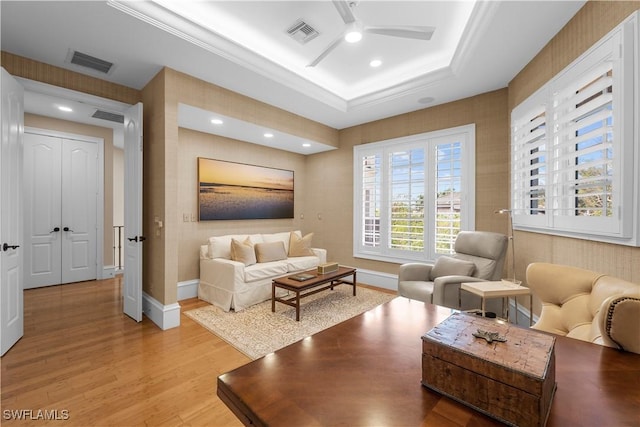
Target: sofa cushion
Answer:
[[447, 266], [265, 270], [243, 251], [220, 246], [271, 251], [278, 237], [302, 263], [300, 246]]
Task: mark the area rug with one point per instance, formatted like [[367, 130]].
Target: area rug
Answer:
[[256, 331]]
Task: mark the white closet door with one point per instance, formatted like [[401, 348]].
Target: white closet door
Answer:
[[42, 210], [61, 199], [79, 210]]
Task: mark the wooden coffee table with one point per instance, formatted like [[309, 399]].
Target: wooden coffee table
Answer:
[[309, 287]]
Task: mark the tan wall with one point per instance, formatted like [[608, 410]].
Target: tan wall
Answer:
[[33, 70], [193, 234], [329, 195], [590, 24], [106, 134]]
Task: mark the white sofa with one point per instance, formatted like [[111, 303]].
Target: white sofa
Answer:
[[238, 284]]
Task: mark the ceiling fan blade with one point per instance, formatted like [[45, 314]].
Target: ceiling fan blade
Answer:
[[407, 32], [345, 11], [328, 50]]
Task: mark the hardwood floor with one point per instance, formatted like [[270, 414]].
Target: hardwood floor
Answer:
[[84, 361]]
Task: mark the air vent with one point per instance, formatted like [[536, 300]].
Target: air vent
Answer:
[[302, 32], [88, 61], [106, 115]]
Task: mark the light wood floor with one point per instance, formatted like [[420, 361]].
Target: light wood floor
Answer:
[[80, 354]]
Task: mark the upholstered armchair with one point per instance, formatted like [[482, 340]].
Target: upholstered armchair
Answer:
[[586, 305], [479, 256]]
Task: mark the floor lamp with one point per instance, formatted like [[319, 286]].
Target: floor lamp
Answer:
[[513, 246]]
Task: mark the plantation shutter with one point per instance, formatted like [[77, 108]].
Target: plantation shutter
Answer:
[[406, 201], [529, 159], [583, 145]]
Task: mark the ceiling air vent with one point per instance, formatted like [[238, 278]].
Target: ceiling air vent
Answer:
[[302, 32], [106, 115], [97, 64]]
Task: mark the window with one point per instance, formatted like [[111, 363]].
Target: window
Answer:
[[413, 195], [575, 147]]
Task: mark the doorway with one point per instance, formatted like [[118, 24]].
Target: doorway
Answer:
[[62, 198]]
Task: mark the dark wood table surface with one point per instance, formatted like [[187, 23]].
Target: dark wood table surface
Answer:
[[366, 371]]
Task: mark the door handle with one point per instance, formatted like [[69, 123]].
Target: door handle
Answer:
[[137, 239], [66, 229], [55, 230], [6, 247]]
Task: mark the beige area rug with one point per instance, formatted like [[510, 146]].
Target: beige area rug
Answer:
[[256, 331]]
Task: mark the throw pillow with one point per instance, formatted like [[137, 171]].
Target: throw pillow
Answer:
[[300, 246], [447, 266], [271, 251], [243, 251]]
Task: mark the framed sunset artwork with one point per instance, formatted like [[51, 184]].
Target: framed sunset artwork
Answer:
[[229, 190]]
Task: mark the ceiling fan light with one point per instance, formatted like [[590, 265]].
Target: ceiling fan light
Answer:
[[353, 33], [353, 36]]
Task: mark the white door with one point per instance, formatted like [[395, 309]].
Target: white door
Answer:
[[61, 198], [12, 125], [79, 210], [43, 212], [132, 288]]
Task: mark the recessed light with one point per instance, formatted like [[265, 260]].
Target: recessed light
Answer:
[[306, 145], [268, 135], [65, 109], [426, 100], [375, 63], [217, 121]]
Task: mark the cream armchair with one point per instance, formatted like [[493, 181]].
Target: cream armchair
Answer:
[[479, 256], [586, 305]]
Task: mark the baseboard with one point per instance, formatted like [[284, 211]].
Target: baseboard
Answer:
[[165, 316], [378, 279], [188, 289], [108, 272], [523, 314]]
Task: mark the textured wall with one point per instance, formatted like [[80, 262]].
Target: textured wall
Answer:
[[193, 234]]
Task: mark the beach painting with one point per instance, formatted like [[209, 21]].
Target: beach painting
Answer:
[[229, 190]]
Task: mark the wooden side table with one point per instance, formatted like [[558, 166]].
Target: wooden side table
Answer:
[[499, 289]]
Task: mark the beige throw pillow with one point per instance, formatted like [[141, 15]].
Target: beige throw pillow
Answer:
[[300, 246], [447, 266], [271, 251], [243, 252]]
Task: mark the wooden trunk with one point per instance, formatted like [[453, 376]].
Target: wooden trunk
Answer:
[[512, 381]]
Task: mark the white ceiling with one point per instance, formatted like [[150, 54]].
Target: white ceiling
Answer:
[[243, 46]]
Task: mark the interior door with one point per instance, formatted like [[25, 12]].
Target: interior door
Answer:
[[132, 288], [43, 213], [61, 199], [79, 210], [12, 125]]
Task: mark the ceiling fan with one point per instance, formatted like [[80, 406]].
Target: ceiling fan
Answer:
[[354, 29]]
